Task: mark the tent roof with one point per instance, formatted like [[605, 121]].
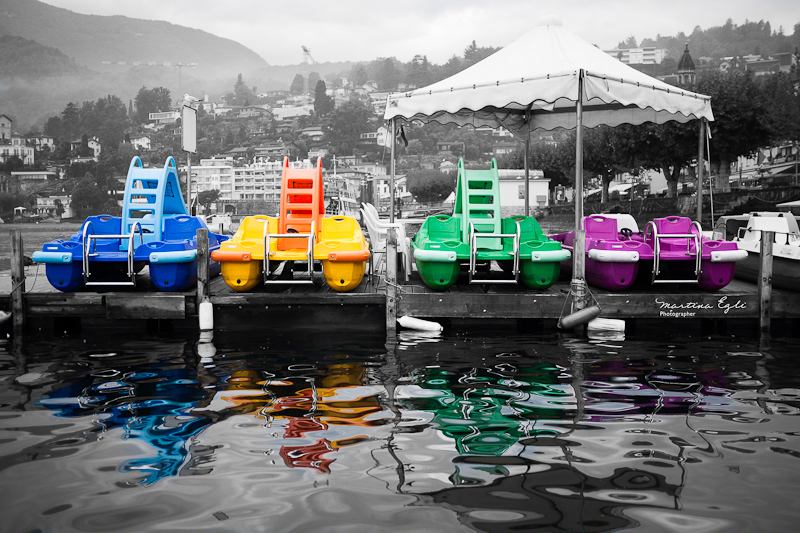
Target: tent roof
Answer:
[[539, 74]]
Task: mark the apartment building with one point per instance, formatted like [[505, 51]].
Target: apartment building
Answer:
[[257, 181], [647, 55], [16, 146]]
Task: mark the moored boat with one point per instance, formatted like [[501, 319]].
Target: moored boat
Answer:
[[686, 256], [155, 230], [746, 231], [300, 233], [476, 234], [670, 250], [613, 257]]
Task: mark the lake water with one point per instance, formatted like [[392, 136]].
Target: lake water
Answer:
[[481, 429]]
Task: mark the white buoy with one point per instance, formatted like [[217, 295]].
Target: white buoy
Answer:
[[606, 329], [206, 315], [415, 323], [606, 324]]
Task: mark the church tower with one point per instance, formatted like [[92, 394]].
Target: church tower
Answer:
[[687, 74]]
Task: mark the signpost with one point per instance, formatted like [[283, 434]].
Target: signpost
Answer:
[[189, 145]]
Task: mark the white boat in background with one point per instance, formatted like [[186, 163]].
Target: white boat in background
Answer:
[[746, 231]]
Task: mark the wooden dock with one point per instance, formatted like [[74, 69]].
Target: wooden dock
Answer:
[[378, 301]]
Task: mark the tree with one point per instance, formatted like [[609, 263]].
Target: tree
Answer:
[[313, 78], [151, 101], [740, 117], [323, 104], [358, 75], [70, 122], [88, 198], [387, 76], [419, 74], [430, 185], [668, 148], [84, 150], [557, 162], [473, 54], [345, 125], [206, 198], [296, 87], [242, 94], [782, 103]]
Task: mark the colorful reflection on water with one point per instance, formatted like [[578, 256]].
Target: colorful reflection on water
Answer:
[[475, 430]]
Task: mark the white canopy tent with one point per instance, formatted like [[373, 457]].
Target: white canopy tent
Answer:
[[549, 78]]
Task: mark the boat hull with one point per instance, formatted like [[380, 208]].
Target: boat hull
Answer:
[[785, 272], [242, 276]]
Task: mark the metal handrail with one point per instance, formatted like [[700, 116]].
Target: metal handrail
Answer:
[[698, 247], [90, 243], [473, 253], [311, 236]]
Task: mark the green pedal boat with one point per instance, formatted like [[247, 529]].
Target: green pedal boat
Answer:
[[476, 235]]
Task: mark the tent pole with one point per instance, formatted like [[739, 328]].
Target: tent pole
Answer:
[[527, 174], [701, 164], [579, 267], [392, 126]]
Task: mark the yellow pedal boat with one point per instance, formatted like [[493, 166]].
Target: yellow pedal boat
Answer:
[[300, 234]]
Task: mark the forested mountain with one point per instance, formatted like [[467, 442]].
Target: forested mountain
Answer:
[[28, 59], [91, 39]]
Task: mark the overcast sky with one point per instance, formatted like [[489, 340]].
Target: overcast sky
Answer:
[[362, 30]]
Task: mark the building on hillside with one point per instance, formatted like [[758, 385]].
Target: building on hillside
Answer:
[[26, 182], [252, 111], [48, 206], [493, 132], [272, 151], [5, 128], [376, 169], [504, 147], [93, 143], [318, 153], [141, 142], [313, 133], [165, 117], [512, 188], [40, 141], [448, 167], [292, 112], [378, 101], [646, 55], [16, 146], [258, 181], [454, 147], [762, 67], [371, 139]]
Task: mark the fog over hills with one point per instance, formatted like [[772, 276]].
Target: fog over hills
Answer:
[[51, 56], [91, 39]]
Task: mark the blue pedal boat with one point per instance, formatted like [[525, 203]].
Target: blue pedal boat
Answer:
[[155, 230]]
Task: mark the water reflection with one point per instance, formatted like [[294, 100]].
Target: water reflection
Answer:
[[483, 433]]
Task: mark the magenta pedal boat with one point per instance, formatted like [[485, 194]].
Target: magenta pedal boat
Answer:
[[619, 255], [681, 254], [612, 254]]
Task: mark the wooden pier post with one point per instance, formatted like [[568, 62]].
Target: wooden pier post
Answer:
[[765, 283], [391, 281], [17, 282], [202, 266], [205, 310]]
